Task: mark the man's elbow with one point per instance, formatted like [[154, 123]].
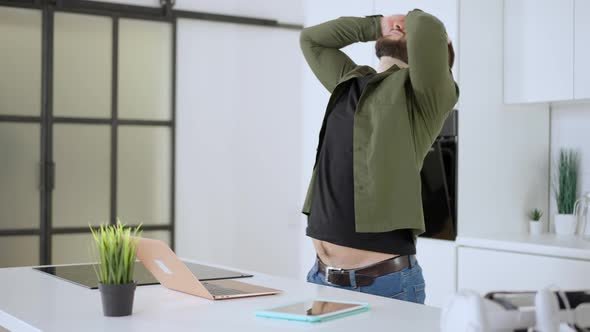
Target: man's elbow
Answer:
[[303, 37], [305, 40], [423, 20]]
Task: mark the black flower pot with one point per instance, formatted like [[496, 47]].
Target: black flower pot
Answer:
[[117, 300]]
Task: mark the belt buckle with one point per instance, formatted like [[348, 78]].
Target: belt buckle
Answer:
[[329, 269]]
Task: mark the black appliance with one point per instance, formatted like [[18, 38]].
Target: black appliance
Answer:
[[439, 183]]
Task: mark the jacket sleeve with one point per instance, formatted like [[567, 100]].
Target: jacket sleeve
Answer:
[[321, 46], [430, 75]]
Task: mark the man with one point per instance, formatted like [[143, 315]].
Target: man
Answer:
[[364, 202]]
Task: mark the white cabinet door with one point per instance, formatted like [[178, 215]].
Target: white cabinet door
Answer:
[[538, 50], [444, 10], [582, 50], [486, 270], [438, 259]]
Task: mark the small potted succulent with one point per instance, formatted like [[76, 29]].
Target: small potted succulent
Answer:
[[116, 246], [565, 188], [535, 224]]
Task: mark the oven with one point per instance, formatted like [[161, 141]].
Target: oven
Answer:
[[439, 183]]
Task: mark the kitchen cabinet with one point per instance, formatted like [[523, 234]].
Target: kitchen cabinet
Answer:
[[539, 50], [438, 259], [486, 270]]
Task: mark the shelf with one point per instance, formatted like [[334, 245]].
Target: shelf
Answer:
[[573, 247]]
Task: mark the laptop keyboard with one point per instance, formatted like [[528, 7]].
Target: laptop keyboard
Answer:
[[218, 290]]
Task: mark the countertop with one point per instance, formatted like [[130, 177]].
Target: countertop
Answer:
[[574, 247], [34, 301]]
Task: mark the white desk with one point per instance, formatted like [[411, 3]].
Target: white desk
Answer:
[[33, 301]]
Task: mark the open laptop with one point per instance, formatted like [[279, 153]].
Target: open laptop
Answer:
[[172, 273]]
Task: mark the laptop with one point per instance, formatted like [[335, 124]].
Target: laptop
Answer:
[[172, 273]]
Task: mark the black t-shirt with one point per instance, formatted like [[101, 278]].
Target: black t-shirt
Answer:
[[332, 208]]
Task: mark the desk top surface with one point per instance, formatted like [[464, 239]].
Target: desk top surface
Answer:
[[31, 301]]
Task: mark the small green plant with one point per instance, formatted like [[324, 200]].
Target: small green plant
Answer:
[[535, 214], [116, 246], [566, 184]]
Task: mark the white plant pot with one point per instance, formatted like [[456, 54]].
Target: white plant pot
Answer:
[[535, 227], [565, 224]]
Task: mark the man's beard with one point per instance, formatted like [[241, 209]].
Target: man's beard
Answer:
[[394, 48]]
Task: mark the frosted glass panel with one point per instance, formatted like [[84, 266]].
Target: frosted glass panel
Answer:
[[19, 175], [157, 235], [19, 251], [82, 65], [73, 248], [79, 248], [82, 155], [144, 174], [20, 61], [145, 70]]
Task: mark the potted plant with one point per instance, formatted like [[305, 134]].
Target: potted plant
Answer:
[[116, 246], [565, 188], [535, 224]]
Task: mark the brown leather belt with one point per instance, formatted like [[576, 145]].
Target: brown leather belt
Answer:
[[366, 275]]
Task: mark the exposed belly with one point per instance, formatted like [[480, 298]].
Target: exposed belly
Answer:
[[347, 258]]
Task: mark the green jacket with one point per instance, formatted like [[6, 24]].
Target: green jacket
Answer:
[[398, 115]]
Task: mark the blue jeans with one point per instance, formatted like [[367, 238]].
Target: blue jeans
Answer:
[[406, 285]]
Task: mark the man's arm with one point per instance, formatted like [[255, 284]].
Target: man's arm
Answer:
[[321, 46], [430, 74]]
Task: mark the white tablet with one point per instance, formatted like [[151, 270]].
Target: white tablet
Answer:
[[315, 311]]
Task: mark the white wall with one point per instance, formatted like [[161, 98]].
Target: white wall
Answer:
[[570, 128], [238, 145], [503, 150]]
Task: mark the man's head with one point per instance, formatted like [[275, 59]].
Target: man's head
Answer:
[[394, 42]]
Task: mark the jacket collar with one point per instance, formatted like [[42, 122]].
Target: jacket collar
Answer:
[[385, 62], [361, 71]]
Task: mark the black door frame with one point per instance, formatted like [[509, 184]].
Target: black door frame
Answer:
[[165, 13]]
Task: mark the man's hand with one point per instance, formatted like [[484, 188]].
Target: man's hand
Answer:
[[393, 27]]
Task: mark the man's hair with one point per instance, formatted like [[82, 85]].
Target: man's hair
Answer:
[[398, 49], [451, 55]]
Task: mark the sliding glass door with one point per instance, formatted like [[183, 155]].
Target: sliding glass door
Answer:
[[86, 130], [20, 135]]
